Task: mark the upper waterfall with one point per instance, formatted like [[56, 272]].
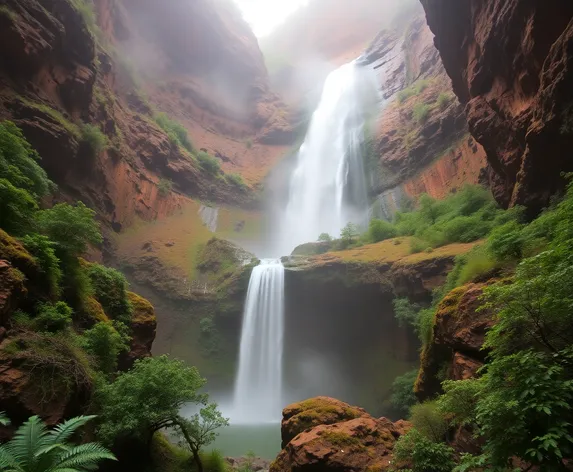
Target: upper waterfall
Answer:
[[328, 186]]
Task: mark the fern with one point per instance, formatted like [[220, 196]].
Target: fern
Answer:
[[36, 449]]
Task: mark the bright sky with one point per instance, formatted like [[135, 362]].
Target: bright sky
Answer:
[[265, 15]]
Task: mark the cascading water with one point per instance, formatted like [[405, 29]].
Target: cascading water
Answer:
[[258, 389], [327, 191], [328, 187]]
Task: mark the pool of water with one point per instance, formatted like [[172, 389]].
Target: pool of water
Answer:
[[236, 440]]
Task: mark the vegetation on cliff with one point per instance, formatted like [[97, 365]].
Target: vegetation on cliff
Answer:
[[519, 405]]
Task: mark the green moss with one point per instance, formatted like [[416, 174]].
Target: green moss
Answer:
[[342, 440], [448, 307], [56, 115], [165, 457], [143, 311]]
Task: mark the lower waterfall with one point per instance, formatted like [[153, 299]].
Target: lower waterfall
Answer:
[[258, 389]]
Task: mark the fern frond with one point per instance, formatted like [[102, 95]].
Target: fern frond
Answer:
[[63, 431], [29, 437], [82, 456], [4, 420], [8, 462]]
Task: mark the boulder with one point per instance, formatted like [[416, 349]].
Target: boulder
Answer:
[[143, 329], [305, 415], [360, 444]]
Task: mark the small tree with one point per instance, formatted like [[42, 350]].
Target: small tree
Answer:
[[148, 398], [36, 449], [349, 233], [200, 430], [325, 238], [105, 344]]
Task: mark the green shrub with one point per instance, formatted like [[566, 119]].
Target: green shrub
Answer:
[[237, 180], [429, 420], [165, 186], [71, 228], [444, 99], [476, 263], [459, 400], [43, 251], [17, 208], [422, 454], [506, 242], [380, 230], [418, 245], [53, 318], [104, 344], [208, 162], [110, 288], [325, 238], [403, 397], [405, 94], [94, 139], [421, 85], [214, 461], [176, 131], [421, 112]]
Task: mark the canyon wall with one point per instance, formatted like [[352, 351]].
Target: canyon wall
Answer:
[[511, 67]]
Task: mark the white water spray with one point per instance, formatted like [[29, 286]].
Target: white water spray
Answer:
[[328, 187], [258, 389]]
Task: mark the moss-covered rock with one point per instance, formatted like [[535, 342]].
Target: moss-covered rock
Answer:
[[307, 414], [143, 329]]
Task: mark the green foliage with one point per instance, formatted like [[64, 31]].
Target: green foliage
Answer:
[[209, 163], [104, 344], [200, 430], [444, 99], [412, 314], [405, 94], [429, 421], [325, 238], [380, 230], [423, 454], [71, 228], [236, 180], [17, 208], [53, 318], [165, 186], [403, 397], [19, 162], [421, 112], [506, 242], [4, 420], [475, 263], [22, 181], [110, 288], [34, 448], [214, 461], [86, 9], [349, 233], [147, 398], [459, 400], [210, 339], [94, 139], [176, 131], [44, 252]]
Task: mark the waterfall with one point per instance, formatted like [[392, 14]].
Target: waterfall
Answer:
[[328, 187], [258, 388]]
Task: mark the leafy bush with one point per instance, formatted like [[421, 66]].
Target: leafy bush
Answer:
[[380, 230], [43, 250], [53, 318], [506, 242], [104, 344], [164, 187], [17, 208], [405, 94], [94, 139], [406, 313], [176, 131], [349, 233], [110, 288], [418, 245], [421, 112], [214, 461], [429, 420], [459, 400], [476, 263], [403, 397], [422, 454], [71, 228], [208, 162]]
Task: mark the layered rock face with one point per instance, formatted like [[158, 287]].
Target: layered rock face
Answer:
[[511, 66], [335, 436]]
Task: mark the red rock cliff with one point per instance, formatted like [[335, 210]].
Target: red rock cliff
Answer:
[[511, 64]]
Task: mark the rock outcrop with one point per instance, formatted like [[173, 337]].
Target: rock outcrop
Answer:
[[457, 340], [511, 65], [334, 442]]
